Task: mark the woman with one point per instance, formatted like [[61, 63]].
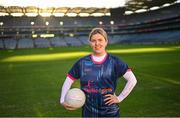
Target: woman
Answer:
[[98, 74]]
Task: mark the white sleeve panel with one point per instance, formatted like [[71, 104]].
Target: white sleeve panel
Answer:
[[66, 86], [131, 82]]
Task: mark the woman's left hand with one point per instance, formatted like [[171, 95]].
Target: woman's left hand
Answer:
[[111, 99]]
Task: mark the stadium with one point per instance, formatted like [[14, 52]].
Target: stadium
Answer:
[[39, 43]]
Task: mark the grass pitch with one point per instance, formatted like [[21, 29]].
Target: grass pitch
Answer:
[[31, 80]]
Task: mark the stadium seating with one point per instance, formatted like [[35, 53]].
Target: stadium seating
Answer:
[[25, 43], [58, 41], [72, 41], [84, 40], [1, 44], [157, 26], [41, 43], [10, 43], [115, 39], [151, 37]]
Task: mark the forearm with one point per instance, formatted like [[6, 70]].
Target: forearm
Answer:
[[66, 86], [131, 82]]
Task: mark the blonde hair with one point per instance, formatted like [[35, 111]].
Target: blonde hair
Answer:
[[98, 31]]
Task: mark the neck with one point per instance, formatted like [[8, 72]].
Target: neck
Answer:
[[99, 54]]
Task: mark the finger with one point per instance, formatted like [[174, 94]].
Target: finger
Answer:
[[110, 102], [66, 105], [70, 108], [108, 95], [108, 98], [113, 101]]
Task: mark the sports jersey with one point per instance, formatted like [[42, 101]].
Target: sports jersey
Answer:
[[98, 79]]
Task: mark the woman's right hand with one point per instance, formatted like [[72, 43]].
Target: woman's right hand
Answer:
[[68, 107]]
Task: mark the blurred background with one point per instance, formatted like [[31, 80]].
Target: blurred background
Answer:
[[41, 40]]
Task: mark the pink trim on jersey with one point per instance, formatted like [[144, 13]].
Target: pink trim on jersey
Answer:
[[71, 77], [98, 62]]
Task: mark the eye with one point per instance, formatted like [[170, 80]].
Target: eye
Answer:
[[93, 40], [100, 40]]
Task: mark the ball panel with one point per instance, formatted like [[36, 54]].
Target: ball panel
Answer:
[[75, 97]]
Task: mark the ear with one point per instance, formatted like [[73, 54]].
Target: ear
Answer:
[[107, 41]]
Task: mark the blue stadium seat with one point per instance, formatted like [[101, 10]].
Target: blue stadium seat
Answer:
[[25, 43], [58, 41], [41, 43], [72, 41], [1, 44], [10, 43], [84, 40]]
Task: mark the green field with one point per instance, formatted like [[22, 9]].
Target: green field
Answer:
[[31, 79]]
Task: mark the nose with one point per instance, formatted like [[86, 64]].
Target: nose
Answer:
[[97, 42]]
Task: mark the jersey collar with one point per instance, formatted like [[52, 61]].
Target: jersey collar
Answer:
[[99, 62]]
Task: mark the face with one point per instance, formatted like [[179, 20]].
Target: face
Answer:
[[98, 44]]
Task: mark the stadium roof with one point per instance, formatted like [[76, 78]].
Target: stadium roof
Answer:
[[138, 6], [147, 4], [64, 3], [61, 8]]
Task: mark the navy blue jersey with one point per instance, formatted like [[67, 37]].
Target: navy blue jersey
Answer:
[[97, 80]]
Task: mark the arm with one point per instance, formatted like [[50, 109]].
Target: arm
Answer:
[[66, 86], [131, 82]]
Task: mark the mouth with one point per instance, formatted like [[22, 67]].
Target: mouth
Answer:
[[98, 46]]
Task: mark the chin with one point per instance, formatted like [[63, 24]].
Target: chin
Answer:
[[98, 52]]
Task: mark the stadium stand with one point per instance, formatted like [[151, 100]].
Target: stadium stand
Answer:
[[41, 43], [10, 43], [1, 44], [58, 41], [152, 37], [156, 26], [72, 41], [115, 39], [84, 40], [25, 43]]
